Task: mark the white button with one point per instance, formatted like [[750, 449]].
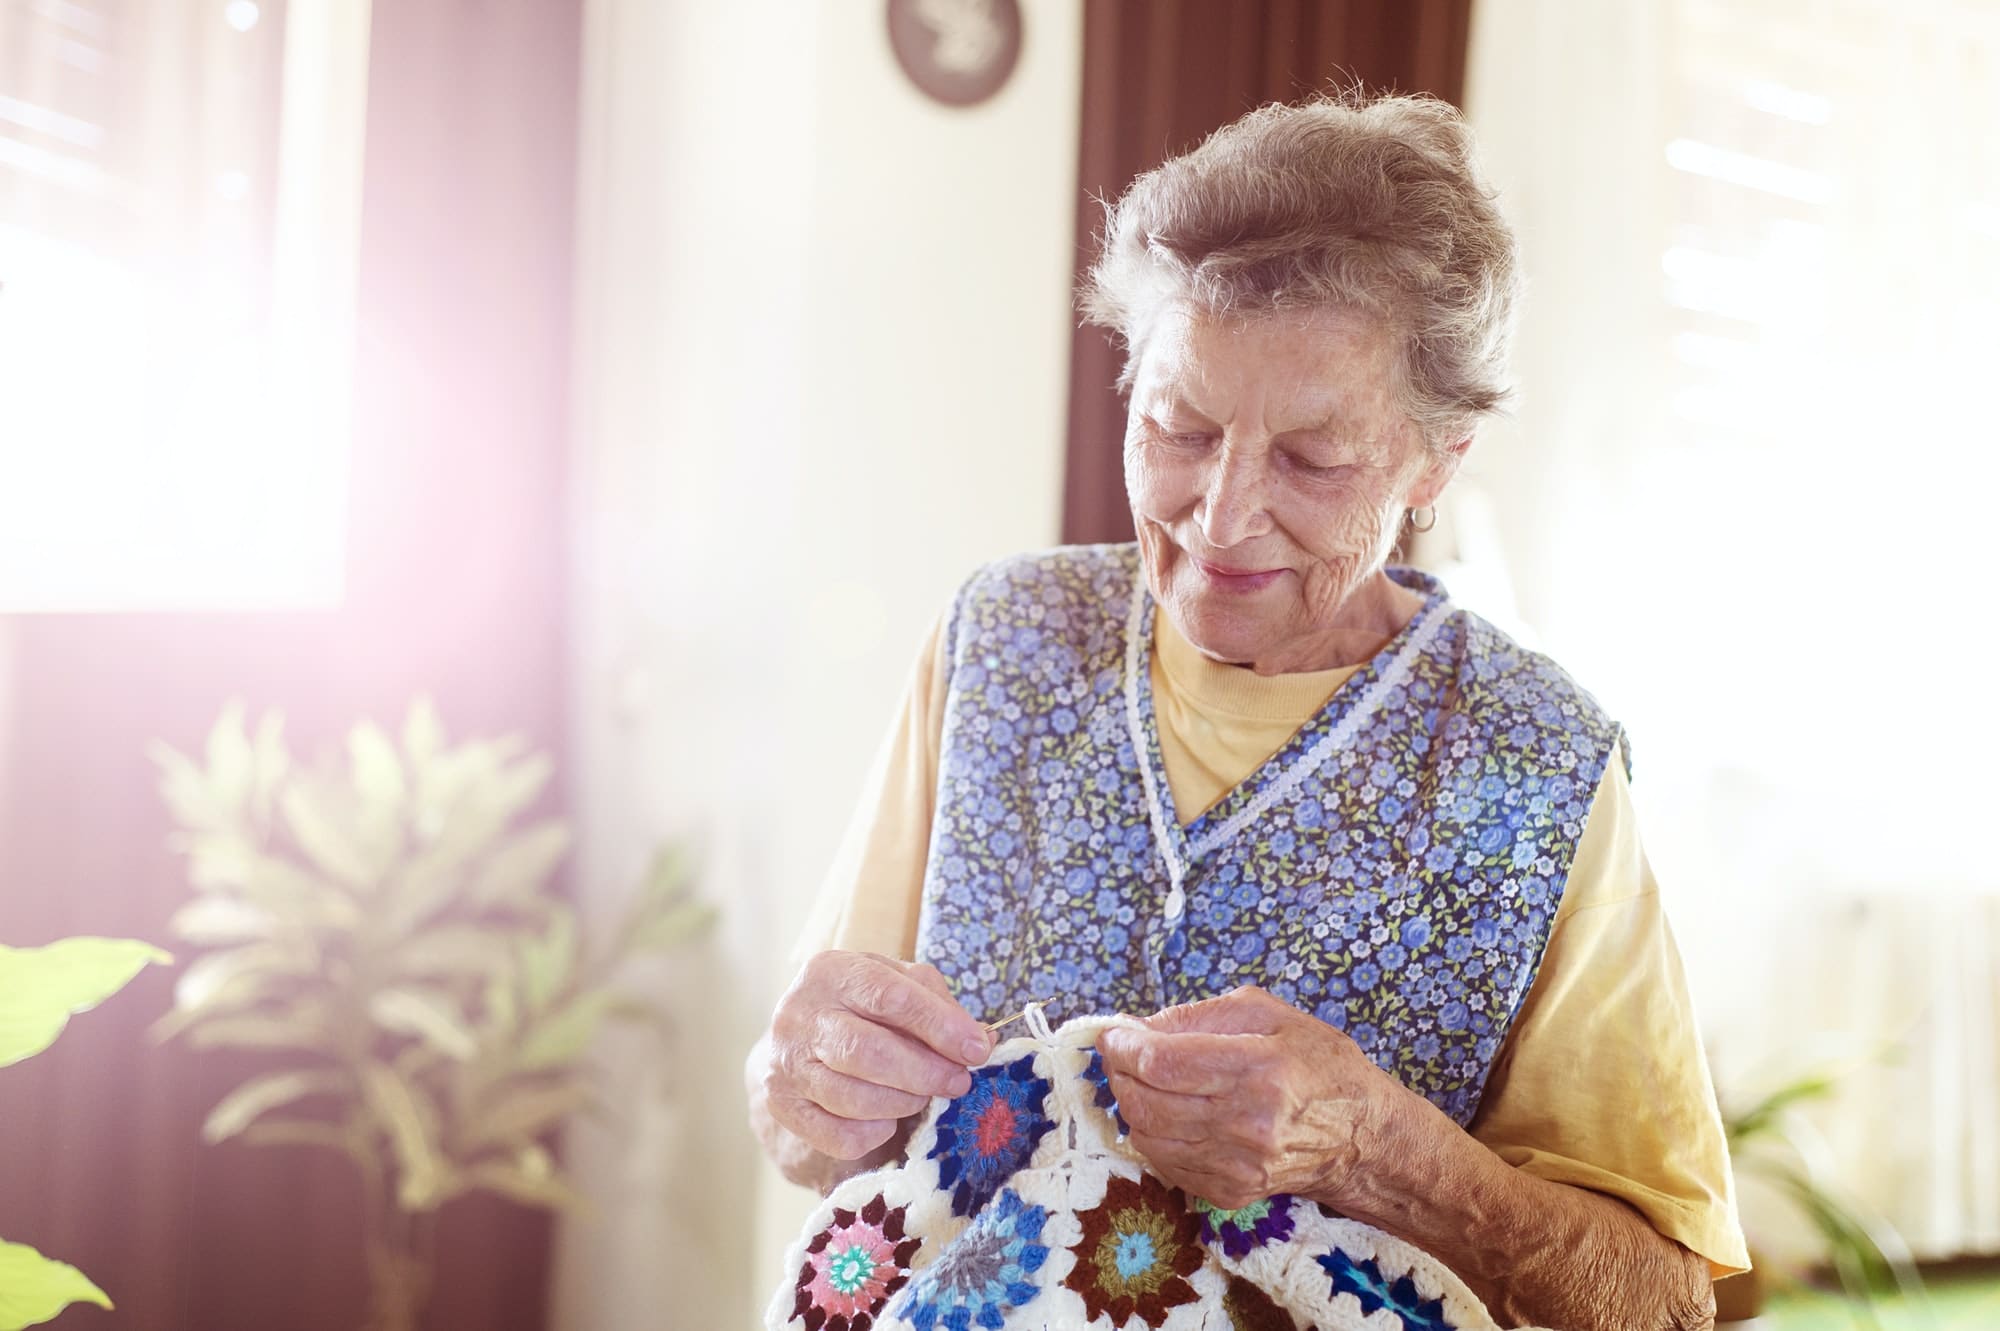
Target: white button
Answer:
[[1176, 903]]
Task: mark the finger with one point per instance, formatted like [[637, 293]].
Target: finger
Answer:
[[873, 1053], [884, 994], [830, 1134], [1191, 1064], [1247, 1010], [852, 1098], [1164, 1114], [930, 977], [1198, 1171]]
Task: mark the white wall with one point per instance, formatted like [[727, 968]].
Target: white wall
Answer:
[[823, 348]]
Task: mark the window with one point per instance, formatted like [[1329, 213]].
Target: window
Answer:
[[179, 186]]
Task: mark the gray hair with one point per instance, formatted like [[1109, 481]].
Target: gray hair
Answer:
[[1373, 204]]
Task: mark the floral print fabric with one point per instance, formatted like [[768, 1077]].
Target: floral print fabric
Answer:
[[1394, 869]]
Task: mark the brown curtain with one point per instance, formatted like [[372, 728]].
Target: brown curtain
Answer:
[[1158, 76], [454, 588]]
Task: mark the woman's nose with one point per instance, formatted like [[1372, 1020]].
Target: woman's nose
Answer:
[[1232, 508]]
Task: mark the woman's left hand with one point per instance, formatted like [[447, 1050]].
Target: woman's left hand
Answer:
[[1241, 1097]]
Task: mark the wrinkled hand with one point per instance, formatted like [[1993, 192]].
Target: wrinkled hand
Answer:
[[861, 1041], [1241, 1097]]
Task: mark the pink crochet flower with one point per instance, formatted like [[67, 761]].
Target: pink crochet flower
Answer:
[[852, 1267]]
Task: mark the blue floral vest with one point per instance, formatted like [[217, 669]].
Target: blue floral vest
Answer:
[[1394, 869]]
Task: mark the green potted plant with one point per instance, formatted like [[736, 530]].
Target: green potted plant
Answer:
[[387, 929], [1769, 1140], [41, 988]]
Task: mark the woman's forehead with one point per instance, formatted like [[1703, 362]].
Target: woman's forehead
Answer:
[[1326, 366]]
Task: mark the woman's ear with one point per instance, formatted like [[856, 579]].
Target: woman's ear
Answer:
[[1437, 473]]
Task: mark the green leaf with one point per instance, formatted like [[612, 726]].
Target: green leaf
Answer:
[[565, 1033], [673, 926], [525, 1111], [301, 1027], [456, 951], [423, 733], [232, 766], [529, 1179], [329, 845], [426, 1014], [298, 1132], [410, 1123], [519, 870], [41, 988], [503, 1013], [548, 962], [272, 764], [378, 772], [34, 1288], [217, 921], [250, 1101], [220, 978], [184, 786]]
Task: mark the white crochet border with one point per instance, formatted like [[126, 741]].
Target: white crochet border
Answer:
[[1068, 1173]]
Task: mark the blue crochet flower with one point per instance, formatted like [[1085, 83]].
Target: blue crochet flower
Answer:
[[1365, 1281], [984, 1274], [989, 1132], [1095, 1074]]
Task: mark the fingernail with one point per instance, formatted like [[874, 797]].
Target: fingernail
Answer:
[[976, 1048]]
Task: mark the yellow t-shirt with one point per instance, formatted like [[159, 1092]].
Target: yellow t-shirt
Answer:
[[1601, 1082]]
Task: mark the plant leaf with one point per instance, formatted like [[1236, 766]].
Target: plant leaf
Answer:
[[423, 733], [298, 1132], [231, 762], [184, 786], [41, 988], [34, 1288], [524, 1111], [673, 926], [210, 980], [217, 921], [301, 1027], [411, 1126], [428, 1015], [548, 961], [272, 764], [323, 839], [518, 871], [378, 772], [565, 1033], [458, 951], [248, 1102], [531, 1183]]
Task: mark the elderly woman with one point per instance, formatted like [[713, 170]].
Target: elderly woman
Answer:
[[1371, 865]]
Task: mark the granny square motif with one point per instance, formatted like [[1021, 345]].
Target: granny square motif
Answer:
[[1019, 1206]]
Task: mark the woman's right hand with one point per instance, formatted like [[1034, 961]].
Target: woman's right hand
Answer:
[[857, 1044]]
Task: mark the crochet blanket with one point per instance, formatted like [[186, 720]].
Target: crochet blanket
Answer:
[[1019, 1205]]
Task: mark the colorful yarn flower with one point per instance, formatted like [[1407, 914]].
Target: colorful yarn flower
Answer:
[[852, 1267], [1364, 1280], [1095, 1074], [1251, 1309], [1138, 1246], [1247, 1227], [989, 1132], [984, 1273]]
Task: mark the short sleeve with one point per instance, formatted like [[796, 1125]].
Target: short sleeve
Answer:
[[1602, 1082], [870, 897]]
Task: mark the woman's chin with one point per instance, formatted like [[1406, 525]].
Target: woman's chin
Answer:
[[1223, 632]]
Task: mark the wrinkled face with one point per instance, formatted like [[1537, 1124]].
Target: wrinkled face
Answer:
[[1269, 470]]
